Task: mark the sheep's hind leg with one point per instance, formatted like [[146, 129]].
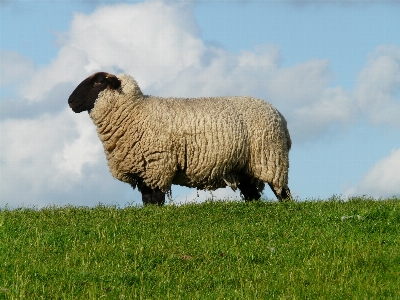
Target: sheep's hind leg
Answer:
[[150, 196], [249, 190], [285, 194]]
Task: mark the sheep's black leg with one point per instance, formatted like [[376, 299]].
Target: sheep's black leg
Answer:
[[249, 190], [272, 188], [285, 195], [150, 196], [158, 197]]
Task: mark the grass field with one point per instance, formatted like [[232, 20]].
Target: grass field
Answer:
[[216, 250]]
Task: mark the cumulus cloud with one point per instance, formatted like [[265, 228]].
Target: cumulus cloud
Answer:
[[151, 40], [309, 104], [377, 91], [16, 107], [55, 158], [33, 157], [199, 196], [160, 45], [15, 68], [300, 92], [382, 180]]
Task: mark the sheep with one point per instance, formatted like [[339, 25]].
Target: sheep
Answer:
[[208, 143]]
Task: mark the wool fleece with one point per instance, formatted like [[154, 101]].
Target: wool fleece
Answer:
[[206, 143]]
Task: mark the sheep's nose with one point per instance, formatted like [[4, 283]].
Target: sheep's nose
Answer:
[[70, 100]]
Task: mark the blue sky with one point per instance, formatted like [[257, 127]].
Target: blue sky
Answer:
[[331, 67]]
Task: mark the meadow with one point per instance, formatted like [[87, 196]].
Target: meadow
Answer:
[[331, 249]]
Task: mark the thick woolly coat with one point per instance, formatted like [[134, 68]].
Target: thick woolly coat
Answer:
[[206, 143]]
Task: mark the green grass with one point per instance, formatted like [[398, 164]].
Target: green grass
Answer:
[[214, 250]]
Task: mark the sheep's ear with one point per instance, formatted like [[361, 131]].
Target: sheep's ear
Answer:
[[113, 81]]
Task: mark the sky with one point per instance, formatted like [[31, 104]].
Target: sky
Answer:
[[332, 68]]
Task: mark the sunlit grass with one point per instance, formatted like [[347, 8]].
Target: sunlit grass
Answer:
[[215, 250]]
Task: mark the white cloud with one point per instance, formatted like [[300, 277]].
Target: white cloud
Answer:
[[300, 83], [309, 104], [67, 67], [199, 196], [160, 45], [86, 149], [14, 68], [150, 40], [224, 73], [333, 106], [300, 92], [47, 156], [382, 180], [377, 91]]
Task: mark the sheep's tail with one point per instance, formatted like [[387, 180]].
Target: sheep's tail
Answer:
[[288, 140]]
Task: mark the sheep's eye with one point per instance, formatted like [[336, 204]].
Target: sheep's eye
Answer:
[[98, 82]]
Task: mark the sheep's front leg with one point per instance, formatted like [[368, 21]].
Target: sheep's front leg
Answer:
[[151, 196]]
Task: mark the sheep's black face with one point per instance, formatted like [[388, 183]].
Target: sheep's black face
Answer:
[[86, 93]]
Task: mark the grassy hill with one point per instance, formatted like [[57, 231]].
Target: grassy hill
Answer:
[[215, 250]]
